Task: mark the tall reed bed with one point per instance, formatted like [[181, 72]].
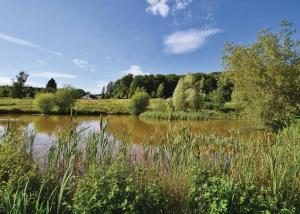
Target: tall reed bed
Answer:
[[180, 115], [92, 172]]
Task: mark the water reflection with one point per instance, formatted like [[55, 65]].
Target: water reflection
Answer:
[[138, 130]]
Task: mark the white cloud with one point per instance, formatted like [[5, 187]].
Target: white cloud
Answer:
[[135, 70], [81, 63], [18, 41], [5, 81], [53, 75], [182, 4], [158, 7], [187, 41]]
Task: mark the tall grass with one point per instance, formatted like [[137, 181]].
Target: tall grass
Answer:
[[185, 173]]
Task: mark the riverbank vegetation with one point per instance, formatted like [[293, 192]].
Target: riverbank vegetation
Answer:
[[185, 173]]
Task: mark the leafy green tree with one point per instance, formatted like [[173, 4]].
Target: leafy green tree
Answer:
[[103, 92], [160, 90], [45, 102], [188, 95], [139, 102], [179, 97], [266, 76], [65, 99], [109, 90], [17, 89], [4, 91], [51, 86]]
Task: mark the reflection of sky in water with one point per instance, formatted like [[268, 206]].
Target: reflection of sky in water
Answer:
[[138, 130]]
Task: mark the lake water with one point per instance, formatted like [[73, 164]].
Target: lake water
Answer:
[[133, 127]]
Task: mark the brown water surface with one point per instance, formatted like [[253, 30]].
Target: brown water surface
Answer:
[[138, 130]]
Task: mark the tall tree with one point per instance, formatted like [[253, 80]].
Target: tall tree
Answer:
[[103, 92], [266, 76], [109, 90], [51, 86], [160, 90], [188, 94], [17, 89]]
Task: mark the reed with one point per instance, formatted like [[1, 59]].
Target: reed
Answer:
[[183, 173]]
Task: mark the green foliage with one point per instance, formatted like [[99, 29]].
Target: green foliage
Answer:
[[17, 167], [4, 91], [139, 102], [45, 102], [115, 191], [188, 95], [65, 99], [160, 91], [184, 173], [209, 194], [266, 75], [17, 89], [51, 86]]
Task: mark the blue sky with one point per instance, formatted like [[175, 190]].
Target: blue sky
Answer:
[[87, 43]]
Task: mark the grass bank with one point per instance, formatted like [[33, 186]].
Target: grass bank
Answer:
[[186, 173], [179, 115]]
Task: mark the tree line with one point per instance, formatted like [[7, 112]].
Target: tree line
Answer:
[[159, 85]]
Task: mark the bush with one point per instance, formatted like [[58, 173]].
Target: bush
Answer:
[[115, 191], [139, 102], [45, 102], [66, 98], [210, 193]]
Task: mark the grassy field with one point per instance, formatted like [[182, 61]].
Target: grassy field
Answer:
[[85, 107]]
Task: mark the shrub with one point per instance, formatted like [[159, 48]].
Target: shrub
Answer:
[[115, 191], [45, 102], [139, 102], [65, 99]]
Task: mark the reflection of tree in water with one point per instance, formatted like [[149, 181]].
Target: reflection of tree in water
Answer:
[[13, 123], [137, 130], [52, 125]]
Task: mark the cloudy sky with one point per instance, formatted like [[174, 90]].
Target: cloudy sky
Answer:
[[87, 43]]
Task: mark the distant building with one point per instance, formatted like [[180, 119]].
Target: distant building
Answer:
[[89, 96]]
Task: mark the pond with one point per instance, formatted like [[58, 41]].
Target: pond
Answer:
[[138, 130]]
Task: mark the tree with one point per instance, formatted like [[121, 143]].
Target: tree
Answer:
[[179, 96], [103, 92], [160, 91], [51, 86], [266, 76], [45, 102], [4, 91], [188, 94], [109, 90], [65, 99], [17, 89], [139, 102]]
